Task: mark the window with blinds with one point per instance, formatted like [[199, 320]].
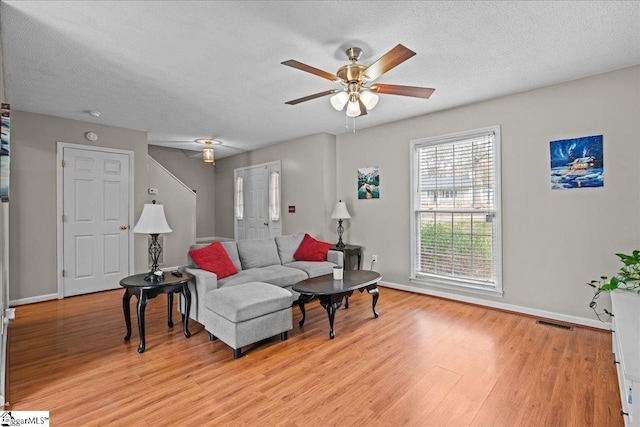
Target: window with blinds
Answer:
[[456, 210]]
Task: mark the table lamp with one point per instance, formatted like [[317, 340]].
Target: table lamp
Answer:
[[340, 212], [153, 222]]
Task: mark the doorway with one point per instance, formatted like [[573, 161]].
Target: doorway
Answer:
[[95, 207], [257, 201]]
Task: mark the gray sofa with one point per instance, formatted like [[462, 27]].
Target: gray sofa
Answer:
[[263, 260]]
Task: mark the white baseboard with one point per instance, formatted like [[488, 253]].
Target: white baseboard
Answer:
[[592, 323], [31, 300]]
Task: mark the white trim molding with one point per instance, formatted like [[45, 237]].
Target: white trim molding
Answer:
[[592, 323]]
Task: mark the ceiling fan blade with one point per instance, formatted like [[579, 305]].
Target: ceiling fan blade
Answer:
[[394, 57], [417, 92], [314, 96], [309, 69]]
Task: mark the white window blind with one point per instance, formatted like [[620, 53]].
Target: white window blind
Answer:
[[456, 214]]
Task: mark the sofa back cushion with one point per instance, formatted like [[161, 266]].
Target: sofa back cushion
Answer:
[[214, 258], [258, 253], [287, 246]]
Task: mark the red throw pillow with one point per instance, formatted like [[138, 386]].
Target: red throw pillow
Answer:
[[214, 258], [311, 249]]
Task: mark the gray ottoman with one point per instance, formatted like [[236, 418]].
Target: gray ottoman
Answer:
[[245, 314]]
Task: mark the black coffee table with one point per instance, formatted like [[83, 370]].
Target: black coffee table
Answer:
[[330, 292]]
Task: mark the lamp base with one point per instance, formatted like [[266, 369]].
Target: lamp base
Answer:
[[153, 277], [340, 230]]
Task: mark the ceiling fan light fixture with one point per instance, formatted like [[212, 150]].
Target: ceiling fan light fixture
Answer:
[[339, 100], [353, 108], [369, 99], [208, 156]]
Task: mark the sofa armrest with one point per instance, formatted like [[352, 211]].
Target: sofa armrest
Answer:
[[202, 282], [336, 257]]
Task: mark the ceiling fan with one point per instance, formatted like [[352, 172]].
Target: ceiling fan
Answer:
[[358, 94]]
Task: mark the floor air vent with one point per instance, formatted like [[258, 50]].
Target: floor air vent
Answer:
[[555, 325]]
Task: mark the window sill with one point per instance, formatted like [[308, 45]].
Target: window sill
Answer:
[[458, 286]]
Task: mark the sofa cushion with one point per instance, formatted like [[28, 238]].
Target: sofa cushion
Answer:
[[214, 258], [248, 301], [313, 268], [258, 253], [311, 249], [278, 275], [287, 246]]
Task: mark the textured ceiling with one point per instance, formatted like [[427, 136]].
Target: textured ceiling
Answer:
[[187, 70]]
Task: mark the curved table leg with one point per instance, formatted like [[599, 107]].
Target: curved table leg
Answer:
[[186, 293], [302, 300], [374, 294], [127, 313], [304, 313], [142, 305], [331, 311], [331, 307], [170, 309]]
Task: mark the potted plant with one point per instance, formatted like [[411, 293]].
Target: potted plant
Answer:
[[628, 279]]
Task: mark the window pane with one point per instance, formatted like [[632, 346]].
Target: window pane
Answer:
[[456, 244]]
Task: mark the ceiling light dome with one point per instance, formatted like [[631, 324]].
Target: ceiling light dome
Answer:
[[369, 99], [339, 100], [353, 109]]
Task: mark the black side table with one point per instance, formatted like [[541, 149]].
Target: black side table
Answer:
[[350, 251], [145, 290]]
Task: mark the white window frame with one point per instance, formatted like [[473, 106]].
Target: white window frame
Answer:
[[467, 285]]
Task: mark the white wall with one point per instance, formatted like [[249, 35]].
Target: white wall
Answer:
[[179, 203], [308, 183], [553, 241], [199, 176]]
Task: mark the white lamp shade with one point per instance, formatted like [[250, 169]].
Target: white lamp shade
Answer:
[[369, 99], [353, 109], [339, 100], [152, 220], [340, 211]]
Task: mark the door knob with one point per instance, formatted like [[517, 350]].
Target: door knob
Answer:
[[266, 223], [123, 227]]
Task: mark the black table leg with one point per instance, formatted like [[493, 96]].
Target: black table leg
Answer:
[[186, 293], [302, 300], [127, 313], [374, 293], [331, 306], [170, 308], [142, 305]]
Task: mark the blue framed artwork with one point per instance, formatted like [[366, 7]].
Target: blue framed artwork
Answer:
[[577, 163], [369, 183]]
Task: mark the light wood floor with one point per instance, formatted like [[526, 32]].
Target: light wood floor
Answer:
[[424, 362]]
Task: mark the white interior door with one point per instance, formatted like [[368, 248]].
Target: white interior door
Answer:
[[255, 190], [256, 204], [95, 227]]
